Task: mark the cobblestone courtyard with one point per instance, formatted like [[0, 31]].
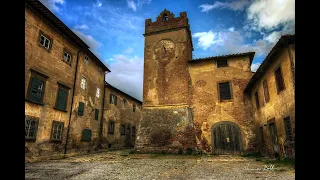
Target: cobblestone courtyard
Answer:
[[121, 165]]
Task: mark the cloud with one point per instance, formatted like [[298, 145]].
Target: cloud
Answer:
[[82, 27], [127, 74], [88, 39], [98, 4], [269, 14], [236, 5], [230, 42], [128, 51], [273, 37], [135, 4], [255, 66], [231, 29], [205, 39], [52, 4], [132, 5]]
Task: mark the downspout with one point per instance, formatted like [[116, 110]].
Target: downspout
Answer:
[[74, 86], [101, 122]]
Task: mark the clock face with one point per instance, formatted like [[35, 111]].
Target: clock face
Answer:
[[164, 50]]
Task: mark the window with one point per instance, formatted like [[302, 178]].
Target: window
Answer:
[[123, 129], [134, 107], [133, 131], [62, 98], [279, 79], [113, 99], [111, 127], [222, 63], [67, 57], [86, 59], [57, 128], [287, 126], [124, 103], [266, 91], [96, 114], [45, 41], [261, 134], [86, 135], [98, 93], [81, 109], [225, 92], [31, 125], [165, 17], [83, 83], [36, 87], [257, 100]]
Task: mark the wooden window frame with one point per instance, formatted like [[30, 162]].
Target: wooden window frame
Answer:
[[85, 85], [133, 107], [82, 135], [122, 130], [276, 81], [266, 90], [41, 33], [36, 120], [63, 57], [133, 131], [64, 88], [123, 103], [109, 126], [52, 131], [86, 60], [115, 99], [217, 65], [288, 137], [41, 77], [256, 98], [79, 109], [231, 91]]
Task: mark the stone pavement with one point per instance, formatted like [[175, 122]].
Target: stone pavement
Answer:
[[116, 165]]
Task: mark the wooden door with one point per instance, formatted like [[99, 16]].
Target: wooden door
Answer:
[[226, 138], [274, 137]]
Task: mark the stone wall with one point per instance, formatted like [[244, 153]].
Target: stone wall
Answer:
[[209, 110], [280, 105]]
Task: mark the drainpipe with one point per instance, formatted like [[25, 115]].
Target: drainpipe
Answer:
[[101, 122], [74, 86]]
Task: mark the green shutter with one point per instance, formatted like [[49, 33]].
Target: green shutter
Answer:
[[86, 135], [81, 109], [62, 99], [96, 115], [35, 93]]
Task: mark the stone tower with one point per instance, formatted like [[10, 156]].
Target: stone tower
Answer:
[[166, 118]]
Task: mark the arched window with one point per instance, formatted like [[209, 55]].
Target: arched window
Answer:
[[165, 17]]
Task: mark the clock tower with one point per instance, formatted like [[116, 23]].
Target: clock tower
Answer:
[[166, 116]]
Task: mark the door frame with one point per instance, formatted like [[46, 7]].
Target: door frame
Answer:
[[273, 121], [226, 122]]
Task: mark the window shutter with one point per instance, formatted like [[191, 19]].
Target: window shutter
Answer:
[[62, 99], [81, 109], [110, 98], [35, 92], [115, 99], [96, 114]]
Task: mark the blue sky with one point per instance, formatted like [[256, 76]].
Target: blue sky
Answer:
[[114, 30]]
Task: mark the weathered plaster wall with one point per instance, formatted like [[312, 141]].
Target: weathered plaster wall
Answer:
[[120, 115], [209, 110], [50, 63], [280, 105]]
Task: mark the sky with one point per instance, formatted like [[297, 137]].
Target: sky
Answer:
[[114, 30]]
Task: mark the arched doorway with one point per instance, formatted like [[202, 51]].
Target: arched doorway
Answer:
[[226, 138]]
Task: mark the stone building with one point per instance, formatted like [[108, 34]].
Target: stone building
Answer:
[[200, 104], [122, 114], [64, 88], [271, 90]]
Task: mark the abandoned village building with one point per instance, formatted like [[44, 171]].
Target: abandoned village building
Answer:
[[69, 107], [214, 104]]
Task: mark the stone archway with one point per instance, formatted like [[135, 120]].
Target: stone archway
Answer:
[[226, 138]]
